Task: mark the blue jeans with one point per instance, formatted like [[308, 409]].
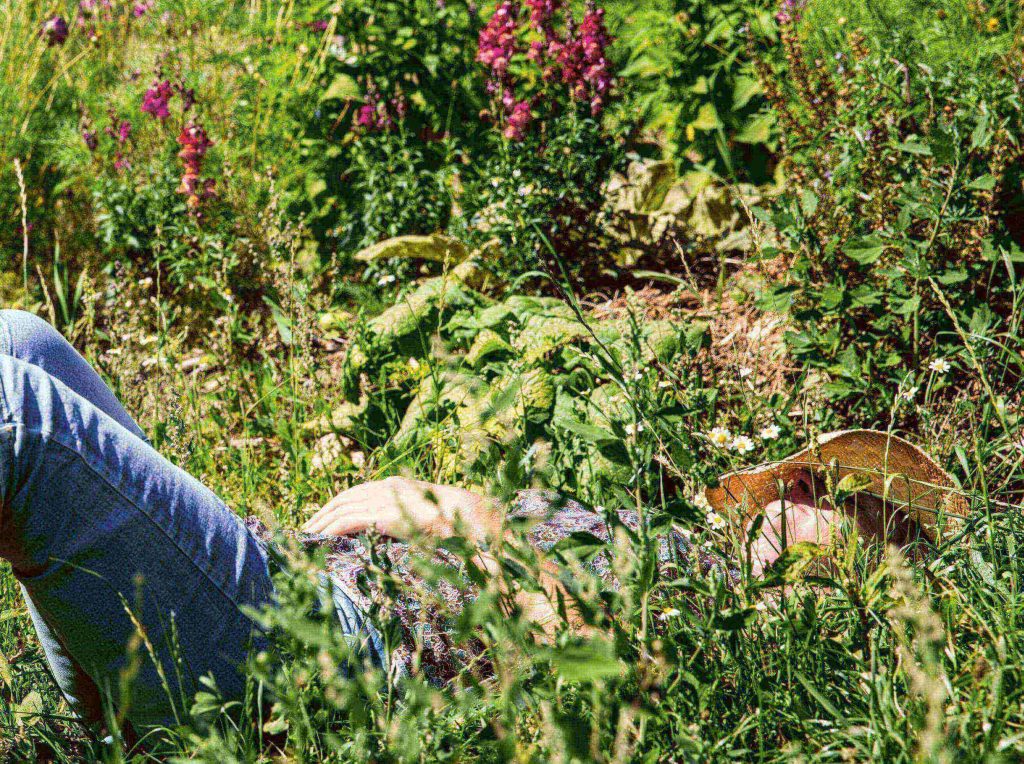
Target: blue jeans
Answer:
[[109, 540]]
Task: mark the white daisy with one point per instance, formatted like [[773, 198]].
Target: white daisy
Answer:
[[940, 365], [700, 501], [742, 444], [669, 613], [771, 432], [714, 521], [909, 394], [719, 436]]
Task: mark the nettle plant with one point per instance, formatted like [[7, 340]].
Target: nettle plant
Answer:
[[897, 250]]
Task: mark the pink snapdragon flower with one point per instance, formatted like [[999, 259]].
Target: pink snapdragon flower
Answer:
[[194, 144], [497, 42], [518, 121], [157, 99]]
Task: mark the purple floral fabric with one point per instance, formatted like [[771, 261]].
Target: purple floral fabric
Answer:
[[419, 614]]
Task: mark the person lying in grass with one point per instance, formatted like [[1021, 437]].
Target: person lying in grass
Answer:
[[114, 546]]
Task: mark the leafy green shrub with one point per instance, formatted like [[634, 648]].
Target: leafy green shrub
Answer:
[[399, 93], [690, 74], [896, 253]]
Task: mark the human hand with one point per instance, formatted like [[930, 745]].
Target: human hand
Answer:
[[404, 508]]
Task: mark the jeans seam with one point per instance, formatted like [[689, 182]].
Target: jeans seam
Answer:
[[49, 437], [8, 338]]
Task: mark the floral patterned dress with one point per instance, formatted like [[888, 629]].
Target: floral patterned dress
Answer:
[[419, 614]]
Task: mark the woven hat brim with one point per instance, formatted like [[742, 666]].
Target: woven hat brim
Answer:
[[889, 466]]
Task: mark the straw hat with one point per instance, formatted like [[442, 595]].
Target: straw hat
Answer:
[[889, 467]]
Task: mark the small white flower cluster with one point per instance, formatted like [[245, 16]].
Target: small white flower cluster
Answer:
[[714, 521], [741, 444]]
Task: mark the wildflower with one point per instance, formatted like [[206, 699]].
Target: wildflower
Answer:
[[993, 24], [55, 31], [90, 139], [714, 521], [634, 429], [157, 99], [194, 144], [597, 73], [909, 394], [719, 436], [741, 444], [664, 383], [770, 432], [638, 375], [789, 11], [497, 40], [387, 278], [375, 114], [121, 132], [121, 163], [188, 97], [518, 120], [667, 613], [366, 116], [940, 365], [745, 371], [761, 606], [700, 501], [142, 8], [541, 12]]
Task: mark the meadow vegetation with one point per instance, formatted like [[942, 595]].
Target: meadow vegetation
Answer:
[[613, 252]]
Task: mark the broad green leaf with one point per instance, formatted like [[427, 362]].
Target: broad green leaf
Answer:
[[733, 620], [28, 710], [343, 87], [984, 183], [589, 432], [589, 661], [744, 89], [6, 676], [866, 251], [854, 483], [914, 147], [757, 130], [707, 118], [485, 344], [436, 247]]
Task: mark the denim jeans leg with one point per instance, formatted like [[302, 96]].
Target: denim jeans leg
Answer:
[[28, 337], [111, 540]]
